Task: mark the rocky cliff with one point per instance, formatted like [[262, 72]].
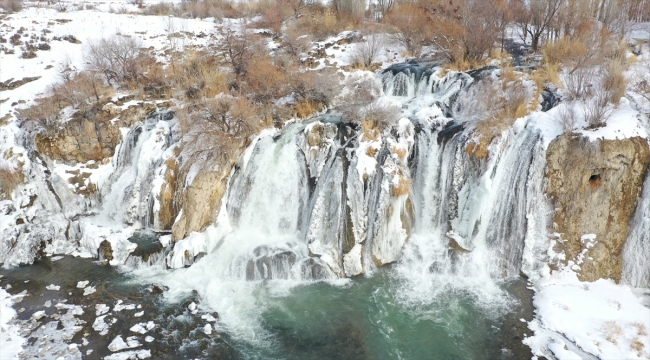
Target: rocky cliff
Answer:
[[595, 187]]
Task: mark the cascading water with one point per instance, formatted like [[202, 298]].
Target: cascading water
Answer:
[[322, 200], [636, 268], [130, 194]]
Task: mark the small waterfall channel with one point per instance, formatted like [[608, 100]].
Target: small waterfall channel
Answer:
[[130, 195]]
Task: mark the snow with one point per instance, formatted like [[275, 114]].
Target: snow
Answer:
[[11, 342], [102, 309], [601, 318], [119, 344], [130, 355], [89, 290]]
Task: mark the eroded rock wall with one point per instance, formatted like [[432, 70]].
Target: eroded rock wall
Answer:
[[595, 186]]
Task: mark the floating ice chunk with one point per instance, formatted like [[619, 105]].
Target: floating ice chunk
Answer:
[[138, 328], [117, 344], [48, 304], [38, 315], [138, 314], [56, 258], [192, 307], [149, 339], [132, 341], [130, 355], [101, 326], [53, 287], [207, 329], [208, 318], [102, 309], [120, 307], [89, 290], [82, 284]]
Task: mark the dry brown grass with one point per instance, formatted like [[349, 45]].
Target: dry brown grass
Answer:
[[402, 186], [200, 73], [307, 108], [400, 151], [637, 346], [321, 23], [371, 130], [494, 105], [641, 329], [615, 82], [9, 179], [612, 331]]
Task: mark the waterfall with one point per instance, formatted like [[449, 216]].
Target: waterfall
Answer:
[[128, 196], [636, 267], [318, 200]]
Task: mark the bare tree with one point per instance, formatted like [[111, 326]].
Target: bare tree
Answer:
[[239, 47], [365, 52], [115, 57], [537, 18]]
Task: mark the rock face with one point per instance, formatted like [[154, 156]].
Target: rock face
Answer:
[[595, 186], [200, 202], [92, 136]]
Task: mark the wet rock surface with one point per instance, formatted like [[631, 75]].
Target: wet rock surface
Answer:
[[595, 187]]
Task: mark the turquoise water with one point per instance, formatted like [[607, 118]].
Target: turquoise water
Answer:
[[364, 318]]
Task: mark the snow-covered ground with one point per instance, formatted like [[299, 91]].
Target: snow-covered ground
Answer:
[[602, 318], [11, 343]]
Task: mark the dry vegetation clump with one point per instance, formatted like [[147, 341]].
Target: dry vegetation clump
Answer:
[[9, 179], [493, 104], [118, 58], [402, 186], [366, 52], [612, 331]]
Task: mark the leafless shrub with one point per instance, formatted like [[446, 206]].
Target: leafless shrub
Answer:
[[568, 117], [614, 82], [579, 83], [239, 48], [28, 55], [411, 26], [294, 43], [81, 91], [138, 3], [115, 57], [161, 8], [202, 9], [597, 109], [366, 52]]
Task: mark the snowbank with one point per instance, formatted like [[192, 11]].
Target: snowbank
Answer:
[[11, 342], [575, 319]]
